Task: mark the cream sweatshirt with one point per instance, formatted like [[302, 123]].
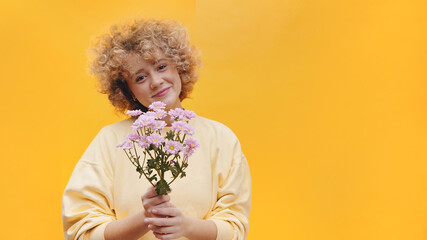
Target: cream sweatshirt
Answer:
[[105, 186]]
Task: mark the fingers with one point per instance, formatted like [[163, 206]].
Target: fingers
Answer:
[[163, 236], [166, 211], [162, 230], [166, 222], [163, 221], [151, 192], [164, 205], [156, 200], [150, 199], [150, 204]]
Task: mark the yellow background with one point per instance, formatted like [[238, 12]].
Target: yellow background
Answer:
[[328, 99]]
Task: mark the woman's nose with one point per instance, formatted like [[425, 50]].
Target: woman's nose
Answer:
[[156, 81]]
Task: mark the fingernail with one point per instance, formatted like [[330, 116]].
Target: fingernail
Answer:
[[146, 220], [154, 210]]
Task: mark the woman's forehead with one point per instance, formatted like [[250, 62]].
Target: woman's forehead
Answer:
[[134, 61]]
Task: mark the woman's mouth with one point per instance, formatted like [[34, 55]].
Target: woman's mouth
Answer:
[[162, 93]]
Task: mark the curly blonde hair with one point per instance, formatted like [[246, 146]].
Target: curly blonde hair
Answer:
[[148, 38]]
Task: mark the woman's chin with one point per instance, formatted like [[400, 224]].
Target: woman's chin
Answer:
[[173, 105]]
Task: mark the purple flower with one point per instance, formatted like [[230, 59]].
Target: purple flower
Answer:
[[192, 143], [188, 114], [120, 144], [134, 112], [160, 114], [142, 121], [177, 114], [143, 142], [155, 139], [188, 151], [127, 145], [188, 129], [133, 137], [158, 125], [173, 147], [150, 114], [157, 106], [179, 126]]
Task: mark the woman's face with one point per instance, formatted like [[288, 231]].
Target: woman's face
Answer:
[[154, 81]]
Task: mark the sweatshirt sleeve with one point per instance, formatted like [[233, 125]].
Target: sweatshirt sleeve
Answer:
[[88, 197], [231, 210]]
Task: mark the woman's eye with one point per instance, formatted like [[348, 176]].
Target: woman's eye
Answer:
[[161, 67], [140, 78]]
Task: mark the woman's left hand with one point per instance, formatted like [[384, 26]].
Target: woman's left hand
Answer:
[[173, 224]]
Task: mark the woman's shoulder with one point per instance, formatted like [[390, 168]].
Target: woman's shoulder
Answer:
[[209, 126], [117, 128]]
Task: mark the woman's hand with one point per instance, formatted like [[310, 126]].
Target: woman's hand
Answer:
[[151, 200], [168, 222]]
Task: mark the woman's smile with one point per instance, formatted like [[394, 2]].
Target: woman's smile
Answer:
[[162, 92]]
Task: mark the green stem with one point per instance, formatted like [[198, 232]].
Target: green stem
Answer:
[[134, 149], [130, 158]]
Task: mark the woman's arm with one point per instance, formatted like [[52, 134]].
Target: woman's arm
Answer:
[[201, 229], [130, 227]]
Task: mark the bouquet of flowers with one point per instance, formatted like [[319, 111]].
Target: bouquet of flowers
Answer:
[[160, 154]]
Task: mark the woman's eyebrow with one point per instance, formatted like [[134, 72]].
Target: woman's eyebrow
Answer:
[[139, 71], [159, 60]]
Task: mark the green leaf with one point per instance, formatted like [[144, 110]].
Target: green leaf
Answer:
[[173, 170], [176, 164], [151, 163], [162, 187], [153, 178], [169, 135]]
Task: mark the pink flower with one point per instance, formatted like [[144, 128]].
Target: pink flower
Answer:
[[157, 106], [188, 151], [143, 142], [173, 147], [142, 121], [179, 126], [134, 112], [177, 114], [155, 139], [127, 145], [133, 137], [150, 114], [160, 114], [192, 143], [120, 144], [188, 114], [188, 129], [158, 125]]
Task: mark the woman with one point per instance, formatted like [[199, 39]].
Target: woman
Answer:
[[138, 64]]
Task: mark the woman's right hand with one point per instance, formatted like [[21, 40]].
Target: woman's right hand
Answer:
[[151, 200]]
